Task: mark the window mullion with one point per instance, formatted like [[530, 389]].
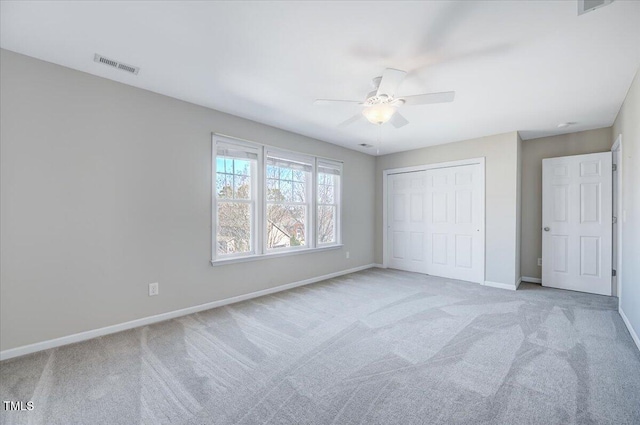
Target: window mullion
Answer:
[[261, 202], [313, 204]]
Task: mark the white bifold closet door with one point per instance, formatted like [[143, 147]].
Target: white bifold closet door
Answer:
[[407, 221], [435, 222]]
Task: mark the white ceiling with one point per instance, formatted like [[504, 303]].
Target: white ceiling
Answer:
[[515, 65]]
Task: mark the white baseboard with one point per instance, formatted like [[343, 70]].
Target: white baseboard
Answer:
[[379, 266], [531, 279], [518, 283], [633, 333], [107, 330], [511, 287]]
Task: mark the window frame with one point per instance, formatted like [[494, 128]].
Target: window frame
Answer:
[[254, 237], [337, 199], [309, 233], [259, 191]]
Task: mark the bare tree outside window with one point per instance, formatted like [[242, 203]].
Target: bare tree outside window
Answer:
[[296, 203], [327, 204], [287, 209], [235, 205]]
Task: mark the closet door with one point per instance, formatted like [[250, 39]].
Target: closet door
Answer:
[[455, 223], [406, 221]]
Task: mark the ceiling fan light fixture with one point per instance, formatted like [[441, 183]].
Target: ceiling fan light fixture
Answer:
[[379, 114]]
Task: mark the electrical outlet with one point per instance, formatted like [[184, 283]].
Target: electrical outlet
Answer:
[[153, 289], [539, 262], [347, 254]]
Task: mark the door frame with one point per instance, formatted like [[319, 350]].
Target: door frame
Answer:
[[472, 161], [617, 198]]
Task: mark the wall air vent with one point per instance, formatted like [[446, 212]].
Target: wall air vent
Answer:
[[585, 6], [115, 64]]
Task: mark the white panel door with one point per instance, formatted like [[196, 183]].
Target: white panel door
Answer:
[[455, 223], [406, 221], [576, 222]]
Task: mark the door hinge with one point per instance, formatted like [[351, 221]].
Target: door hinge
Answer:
[[615, 220], [614, 272], [614, 167]]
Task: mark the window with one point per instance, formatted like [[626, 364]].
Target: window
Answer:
[[235, 195], [268, 201], [328, 201], [288, 200]]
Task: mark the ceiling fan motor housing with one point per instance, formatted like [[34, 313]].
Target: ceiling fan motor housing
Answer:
[[374, 99]]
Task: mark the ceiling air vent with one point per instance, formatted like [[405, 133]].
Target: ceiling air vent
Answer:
[[585, 6], [115, 64], [365, 145]]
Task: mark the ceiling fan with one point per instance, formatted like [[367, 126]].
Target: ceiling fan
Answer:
[[381, 105]]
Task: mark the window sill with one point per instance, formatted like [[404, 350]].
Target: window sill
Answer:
[[248, 258]]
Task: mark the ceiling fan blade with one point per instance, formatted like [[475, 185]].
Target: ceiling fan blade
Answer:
[[398, 120], [355, 118], [333, 102], [425, 99], [391, 79]]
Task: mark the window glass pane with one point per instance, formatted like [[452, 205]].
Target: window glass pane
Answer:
[[326, 224], [224, 186], [327, 189], [299, 192], [235, 180], [220, 179], [328, 202], [286, 190], [234, 227], [285, 226], [299, 176], [326, 194], [272, 172], [273, 190], [219, 164], [242, 167], [228, 165], [242, 187], [286, 174]]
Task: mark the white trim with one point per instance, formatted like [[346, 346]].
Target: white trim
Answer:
[[617, 146], [471, 161], [379, 266], [633, 333], [107, 330], [286, 253], [531, 279], [431, 166], [511, 287]]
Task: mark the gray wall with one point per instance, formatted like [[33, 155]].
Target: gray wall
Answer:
[[501, 179], [628, 124], [533, 151], [106, 188]]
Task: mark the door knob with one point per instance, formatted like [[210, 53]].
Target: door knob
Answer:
[[546, 229]]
